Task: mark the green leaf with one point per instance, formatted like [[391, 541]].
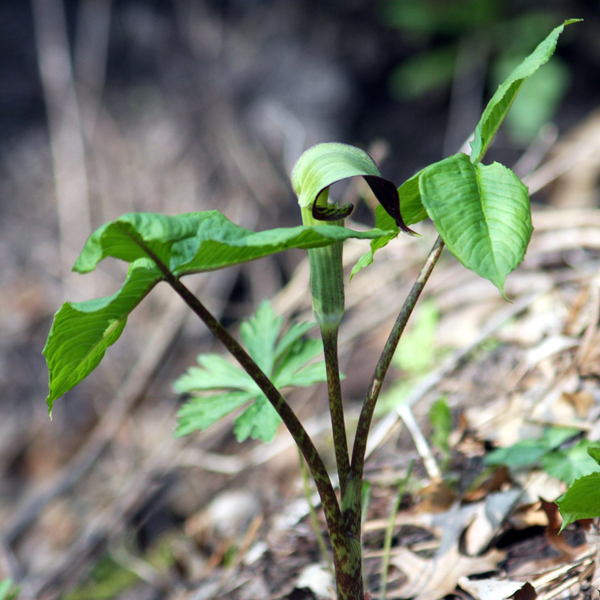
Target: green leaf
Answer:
[[412, 210], [184, 244], [325, 164], [581, 501], [286, 361], [594, 452], [502, 100], [523, 454], [81, 332], [410, 201], [482, 213], [441, 421], [415, 352], [259, 335], [538, 99], [530, 452], [8, 591], [202, 241], [201, 412], [570, 464], [216, 373], [259, 421]]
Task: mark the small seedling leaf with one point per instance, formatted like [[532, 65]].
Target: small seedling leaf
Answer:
[[286, 360], [506, 93], [481, 212], [581, 501]]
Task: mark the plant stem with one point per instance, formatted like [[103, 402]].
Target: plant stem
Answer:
[[313, 515], [347, 563], [346, 552], [338, 425], [366, 414]]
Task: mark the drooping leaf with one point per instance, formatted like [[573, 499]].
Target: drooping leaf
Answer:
[[481, 212], [202, 241], [82, 331], [325, 164], [502, 100], [184, 244], [581, 501], [286, 360]]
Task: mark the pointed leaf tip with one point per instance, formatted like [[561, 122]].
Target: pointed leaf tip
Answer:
[[502, 100]]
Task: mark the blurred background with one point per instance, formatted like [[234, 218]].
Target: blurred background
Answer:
[[182, 105]]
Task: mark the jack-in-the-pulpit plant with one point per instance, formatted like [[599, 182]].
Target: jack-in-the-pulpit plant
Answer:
[[481, 212]]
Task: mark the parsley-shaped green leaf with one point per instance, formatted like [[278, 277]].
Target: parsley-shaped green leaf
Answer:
[[218, 387]]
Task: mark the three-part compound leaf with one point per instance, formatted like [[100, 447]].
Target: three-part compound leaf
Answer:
[[155, 244]]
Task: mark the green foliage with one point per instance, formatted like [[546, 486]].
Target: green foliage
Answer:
[[220, 387], [190, 243], [502, 100], [107, 580], [582, 499], [566, 464], [441, 423], [8, 591], [416, 352], [481, 212]]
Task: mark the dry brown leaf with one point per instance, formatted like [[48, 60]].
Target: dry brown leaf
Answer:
[[490, 515], [496, 589], [433, 578], [582, 401], [437, 497]]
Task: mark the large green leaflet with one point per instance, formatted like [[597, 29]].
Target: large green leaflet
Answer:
[[482, 213], [190, 243], [502, 100], [581, 501], [411, 203], [81, 332]]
